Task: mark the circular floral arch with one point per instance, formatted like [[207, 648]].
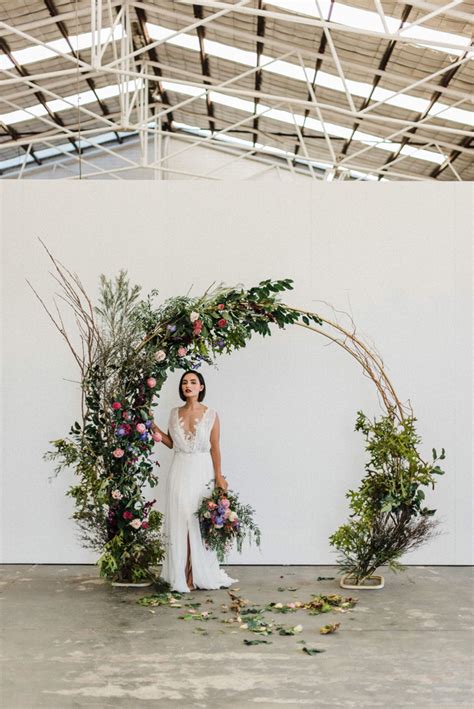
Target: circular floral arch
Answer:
[[128, 347]]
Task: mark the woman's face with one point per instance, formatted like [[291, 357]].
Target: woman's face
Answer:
[[191, 386]]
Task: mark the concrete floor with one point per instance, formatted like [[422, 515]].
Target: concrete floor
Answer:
[[70, 640]]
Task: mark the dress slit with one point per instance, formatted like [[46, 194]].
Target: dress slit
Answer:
[[188, 569]]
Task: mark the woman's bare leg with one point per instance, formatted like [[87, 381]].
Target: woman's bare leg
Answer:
[[189, 569]]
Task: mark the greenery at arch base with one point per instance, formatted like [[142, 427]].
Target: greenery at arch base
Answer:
[[134, 344]]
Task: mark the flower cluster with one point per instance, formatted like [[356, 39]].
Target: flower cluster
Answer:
[[132, 429], [223, 520]]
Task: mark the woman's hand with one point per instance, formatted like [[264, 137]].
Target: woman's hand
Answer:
[[156, 433], [222, 482]]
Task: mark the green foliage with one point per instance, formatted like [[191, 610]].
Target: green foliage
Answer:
[[126, 558], [388, 514]]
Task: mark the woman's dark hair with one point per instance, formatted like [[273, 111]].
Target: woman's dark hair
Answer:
[[201, 394]]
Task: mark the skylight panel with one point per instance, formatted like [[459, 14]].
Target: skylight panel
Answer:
[[72, 101], [366, 20], [225, 100], [323, 79], [310, 123], [37, 53]]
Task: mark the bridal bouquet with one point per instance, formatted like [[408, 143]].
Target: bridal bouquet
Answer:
[[223, 519]]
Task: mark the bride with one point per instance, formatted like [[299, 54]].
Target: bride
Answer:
[[193, 434]]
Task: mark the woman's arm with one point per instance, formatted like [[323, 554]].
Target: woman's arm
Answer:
[[165, 437], [220, 481]]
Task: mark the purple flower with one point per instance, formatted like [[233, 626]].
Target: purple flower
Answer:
[[171, 328], [220, 342], [121, 431], [148, 423], [144, 436]]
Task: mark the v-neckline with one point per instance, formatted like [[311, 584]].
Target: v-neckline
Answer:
[[198, 422]]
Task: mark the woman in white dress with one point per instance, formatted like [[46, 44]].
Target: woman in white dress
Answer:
[[193, 434]]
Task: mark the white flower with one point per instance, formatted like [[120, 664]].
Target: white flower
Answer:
[[298, 628], [135, 523], [207, 514], [117, 495], [160, 356], [232, 516], [194, 316], [278, 605]]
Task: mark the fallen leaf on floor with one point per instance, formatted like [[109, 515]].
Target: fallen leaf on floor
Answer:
[[279, 608], [312, 650], [289, 630], [193, 615], [330, 628], [200, 630], [161, 599], [325, 578], [257, 641], [323, 604], [237, 601]]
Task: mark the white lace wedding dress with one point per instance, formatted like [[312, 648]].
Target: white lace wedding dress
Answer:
[[190, 478]]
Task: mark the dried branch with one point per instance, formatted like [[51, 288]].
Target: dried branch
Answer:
[[370, 360]]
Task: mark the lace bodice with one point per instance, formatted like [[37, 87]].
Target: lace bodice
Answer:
[[187, 441]]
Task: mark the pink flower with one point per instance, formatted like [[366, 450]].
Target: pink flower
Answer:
[[225, 502], [135, 523], [156, 436], [211, 505], [222, 322], [197, 327], [117, 495], [127, 515], [160, 356], [221, 306], [116, 405], [141, 428], [227, 513], [127, 415], [151, 382], [182, 351], [145, 525], [118, 453]]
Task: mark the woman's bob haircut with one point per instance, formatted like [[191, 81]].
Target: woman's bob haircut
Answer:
[[201, 394]]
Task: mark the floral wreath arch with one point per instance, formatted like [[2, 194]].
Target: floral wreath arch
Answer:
[[128, 347]]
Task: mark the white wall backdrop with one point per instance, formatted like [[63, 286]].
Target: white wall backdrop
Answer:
[[396, 256]]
